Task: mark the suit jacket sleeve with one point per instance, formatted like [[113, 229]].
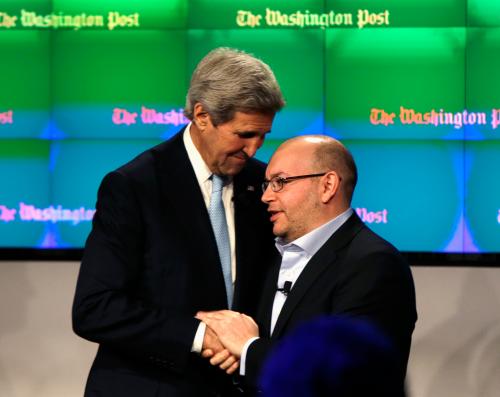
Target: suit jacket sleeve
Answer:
[[256, 354], [111, 305]]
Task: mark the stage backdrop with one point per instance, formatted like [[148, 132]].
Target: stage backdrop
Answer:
[[412, 87]]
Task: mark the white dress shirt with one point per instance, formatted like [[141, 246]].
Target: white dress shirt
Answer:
[[203, 176], [295, 256]]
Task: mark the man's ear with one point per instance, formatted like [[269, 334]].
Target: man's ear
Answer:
[[201, 118], [330, 183]]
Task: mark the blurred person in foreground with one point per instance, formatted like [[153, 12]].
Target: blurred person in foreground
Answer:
[[329, 262], [177, 230], [332, 356]]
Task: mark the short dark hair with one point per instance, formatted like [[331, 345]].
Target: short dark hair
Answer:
[[332, 155]]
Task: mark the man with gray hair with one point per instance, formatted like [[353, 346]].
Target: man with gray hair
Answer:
[[329, 262], [177, 230]]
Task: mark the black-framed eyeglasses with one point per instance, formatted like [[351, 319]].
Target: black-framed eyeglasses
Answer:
[[278, 182]]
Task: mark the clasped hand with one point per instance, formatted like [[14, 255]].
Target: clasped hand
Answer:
[[225, 336]]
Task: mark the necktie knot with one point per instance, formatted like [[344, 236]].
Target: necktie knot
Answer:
[[218, 182]]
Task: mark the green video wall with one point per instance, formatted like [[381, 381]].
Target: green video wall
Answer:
[[411, 87]]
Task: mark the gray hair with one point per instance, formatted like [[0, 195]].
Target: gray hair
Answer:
[[227, 81]]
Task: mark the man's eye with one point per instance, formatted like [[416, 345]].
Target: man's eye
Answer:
[[247, 135]]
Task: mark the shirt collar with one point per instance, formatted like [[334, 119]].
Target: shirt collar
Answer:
[[311, 242], [201, 169]]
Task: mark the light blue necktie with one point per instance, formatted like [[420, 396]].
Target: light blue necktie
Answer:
[[219, 225]]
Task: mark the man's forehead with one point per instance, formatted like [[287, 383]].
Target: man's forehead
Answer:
[[297, 152], [287, 162], [277, 167], [244, 117]]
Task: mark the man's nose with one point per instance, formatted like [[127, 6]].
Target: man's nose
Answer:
[[253, 145], [267, 195]]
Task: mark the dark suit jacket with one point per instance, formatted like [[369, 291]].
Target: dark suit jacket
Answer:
[[151, 262], [355, 273]]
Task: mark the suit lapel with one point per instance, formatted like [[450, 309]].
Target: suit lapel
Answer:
[[317, 265], [322, 260], [180, 188], [266, 307], [246, 199]]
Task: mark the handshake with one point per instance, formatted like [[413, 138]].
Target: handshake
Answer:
[[225, 336]]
